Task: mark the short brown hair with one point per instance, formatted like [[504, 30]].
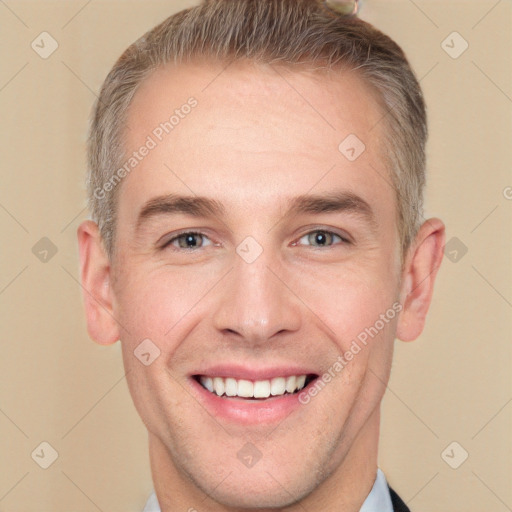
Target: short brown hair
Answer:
[[294, 33]]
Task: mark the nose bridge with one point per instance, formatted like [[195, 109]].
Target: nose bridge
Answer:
[[255, 303]]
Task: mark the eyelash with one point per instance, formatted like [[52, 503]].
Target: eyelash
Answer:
[[167, 244]]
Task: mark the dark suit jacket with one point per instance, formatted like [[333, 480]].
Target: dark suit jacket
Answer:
[[398, 504]]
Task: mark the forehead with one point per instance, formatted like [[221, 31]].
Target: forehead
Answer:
[[254, 131]]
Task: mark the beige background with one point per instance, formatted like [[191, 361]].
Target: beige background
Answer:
[[452, 384]]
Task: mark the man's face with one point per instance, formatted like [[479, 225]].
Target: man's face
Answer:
[[215, 306]]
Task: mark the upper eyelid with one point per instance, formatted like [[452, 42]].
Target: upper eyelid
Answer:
[[342, 237], [183, 233]]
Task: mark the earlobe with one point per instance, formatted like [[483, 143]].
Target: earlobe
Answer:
[[96, 285], [418, 277]]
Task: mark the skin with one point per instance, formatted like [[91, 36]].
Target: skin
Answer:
[[252, 143]]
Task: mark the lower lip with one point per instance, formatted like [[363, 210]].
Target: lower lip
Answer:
[[246, 411]]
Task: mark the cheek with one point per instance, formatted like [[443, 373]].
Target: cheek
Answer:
[[350, 299], [153, 304]]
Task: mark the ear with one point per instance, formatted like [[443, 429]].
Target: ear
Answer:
[[96, 285], [418, 275]]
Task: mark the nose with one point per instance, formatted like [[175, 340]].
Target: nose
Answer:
[[256, 303]]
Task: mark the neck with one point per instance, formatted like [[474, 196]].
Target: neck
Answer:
[[343, 490]]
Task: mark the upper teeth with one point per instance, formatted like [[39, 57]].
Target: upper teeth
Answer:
[[253, 389]]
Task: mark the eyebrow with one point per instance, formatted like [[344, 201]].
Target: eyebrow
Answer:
[[199, 206], [195, 206]]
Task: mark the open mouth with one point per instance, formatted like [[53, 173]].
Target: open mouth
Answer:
[[228, 387]]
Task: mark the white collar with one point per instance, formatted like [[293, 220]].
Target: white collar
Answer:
[[152, 504], [379, 499]]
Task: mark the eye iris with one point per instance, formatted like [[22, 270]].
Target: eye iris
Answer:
[[189, 240], [320, 237]]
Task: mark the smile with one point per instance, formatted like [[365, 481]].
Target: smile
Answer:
[[259, 389], [250, 394]]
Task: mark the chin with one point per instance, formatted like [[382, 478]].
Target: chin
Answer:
[[251, 491], [274, 482]]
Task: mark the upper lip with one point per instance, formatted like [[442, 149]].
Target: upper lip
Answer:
[[237, 371]]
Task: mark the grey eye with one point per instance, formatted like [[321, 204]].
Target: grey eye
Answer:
[[188, 240], [320, 238]]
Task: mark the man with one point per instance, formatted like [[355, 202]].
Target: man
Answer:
[[256, 172]]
